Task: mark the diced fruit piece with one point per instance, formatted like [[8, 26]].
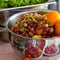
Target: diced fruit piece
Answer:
[[25, 24], [30, 46], [44, 33], [38, 19], [53, 48], [39, 31], [47, 51], [34, 56], [22, 17], [26, 58], [30, 24], [30, 34], [36, 36], [31, 14], [31, 29], [40, 43], [28, 55], [36, 15], [26, 35], [23, 33], [51, 30]]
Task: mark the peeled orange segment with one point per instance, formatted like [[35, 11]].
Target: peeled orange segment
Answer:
[[53, 17], [57, 28]]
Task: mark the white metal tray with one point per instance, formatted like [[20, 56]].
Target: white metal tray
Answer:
[[30, 6]]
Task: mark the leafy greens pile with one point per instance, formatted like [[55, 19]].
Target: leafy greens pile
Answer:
[[17, 3]]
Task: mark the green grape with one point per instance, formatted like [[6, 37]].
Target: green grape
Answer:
[[40, 1], [17, 3], [32, 2], [26, 2], [22, 3], [3, 4], [11, 3]]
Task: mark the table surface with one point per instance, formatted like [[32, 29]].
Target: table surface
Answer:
[[8, 53]]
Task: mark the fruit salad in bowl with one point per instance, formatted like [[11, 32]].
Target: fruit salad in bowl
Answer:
[[34, 25]]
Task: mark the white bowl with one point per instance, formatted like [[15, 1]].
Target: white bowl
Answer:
[[50, 54]]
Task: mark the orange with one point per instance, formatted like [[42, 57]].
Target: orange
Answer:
[[26, 58], [57, 28], [53, 17]]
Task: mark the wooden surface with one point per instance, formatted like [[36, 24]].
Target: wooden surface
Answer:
[[8, 53]]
